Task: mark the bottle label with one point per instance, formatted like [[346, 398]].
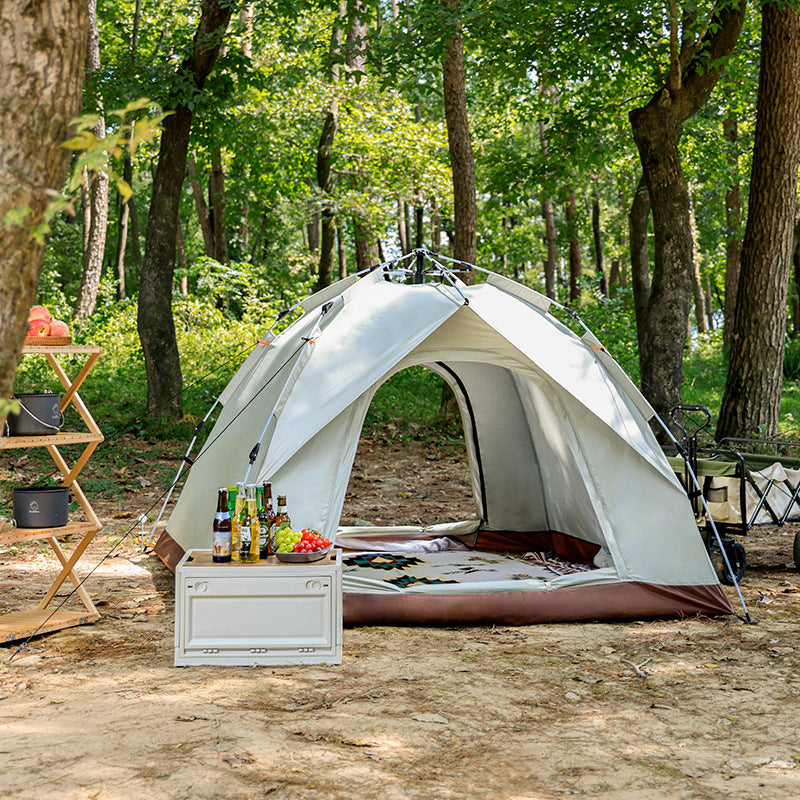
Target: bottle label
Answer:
[[221, 544]]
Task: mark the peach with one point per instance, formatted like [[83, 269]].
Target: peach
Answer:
[[38, 312], [58, 328], [38, 327]]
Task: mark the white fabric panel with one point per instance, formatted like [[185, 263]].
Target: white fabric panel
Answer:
[[531, 296], [361, 345], [250, 363], [572, 505], [315, 480], [565, 359], [328, 293], [654, 536]]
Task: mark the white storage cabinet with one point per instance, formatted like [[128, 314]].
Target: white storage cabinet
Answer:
[[270, 613]]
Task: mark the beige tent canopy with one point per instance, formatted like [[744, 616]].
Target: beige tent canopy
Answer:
[[561, 454]]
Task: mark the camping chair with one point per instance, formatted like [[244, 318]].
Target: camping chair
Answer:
[[741, 489]]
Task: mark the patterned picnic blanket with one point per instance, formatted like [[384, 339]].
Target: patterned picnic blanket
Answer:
[[403, 570]]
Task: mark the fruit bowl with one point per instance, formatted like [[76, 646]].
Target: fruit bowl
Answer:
[[300, 558]]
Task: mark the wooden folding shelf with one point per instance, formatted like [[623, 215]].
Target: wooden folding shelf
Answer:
[[21, 624]]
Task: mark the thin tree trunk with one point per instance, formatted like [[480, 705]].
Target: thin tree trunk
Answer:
[[203, 217], [324, 152], [366, 244], [42, 64], [340, 246], [709, 306], [419, 226], [550, 249], [599, 253], [312, 231], [122, 241], [462, 162], [640, 257], [751, 403], [575, 266], [216, 205], [246, 14], [697, 278], [402, 231], [95, 236], [180, 259], [733, 219], [155, 321], [436, 226]]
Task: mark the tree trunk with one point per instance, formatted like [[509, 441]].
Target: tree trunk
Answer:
[[550, 249], [312, 231], [751, 403], [575, 267], [216, 205], [41, 60], [709, 303], [733, 219], [95, 236], [402, 231], [462, 162], [640, 258], [689, 81], [327, 249], [200, 205], [599, 253], [436, 226], [119, 258], [340, 246], [697, 278], [155, 321], [366, 244], [667, 316]]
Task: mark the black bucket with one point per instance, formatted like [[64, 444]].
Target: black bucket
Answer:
[[41, 506], [39, 414]]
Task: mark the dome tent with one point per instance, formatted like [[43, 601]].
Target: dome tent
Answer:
[[561, 454]]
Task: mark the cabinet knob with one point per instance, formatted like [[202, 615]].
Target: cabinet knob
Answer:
[[201, 586]]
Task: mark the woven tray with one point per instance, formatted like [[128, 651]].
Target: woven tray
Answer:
[[37, 341]]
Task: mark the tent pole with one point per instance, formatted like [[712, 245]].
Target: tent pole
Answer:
[[748, 619], [184, 461]]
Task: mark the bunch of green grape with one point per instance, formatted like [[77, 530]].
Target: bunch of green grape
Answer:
[[286, 539]]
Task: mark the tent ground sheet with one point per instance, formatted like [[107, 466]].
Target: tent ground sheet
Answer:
[[448, 571]]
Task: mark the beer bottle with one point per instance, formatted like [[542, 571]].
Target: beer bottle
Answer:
[[236, 521], [249, 534], [270, 515], [282, 517], [221, 530], [264, 541]]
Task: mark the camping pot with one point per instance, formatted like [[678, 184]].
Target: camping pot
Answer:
[[41, 506], [39, 414]]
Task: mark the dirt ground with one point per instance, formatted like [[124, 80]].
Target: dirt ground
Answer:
[[653, 709]]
